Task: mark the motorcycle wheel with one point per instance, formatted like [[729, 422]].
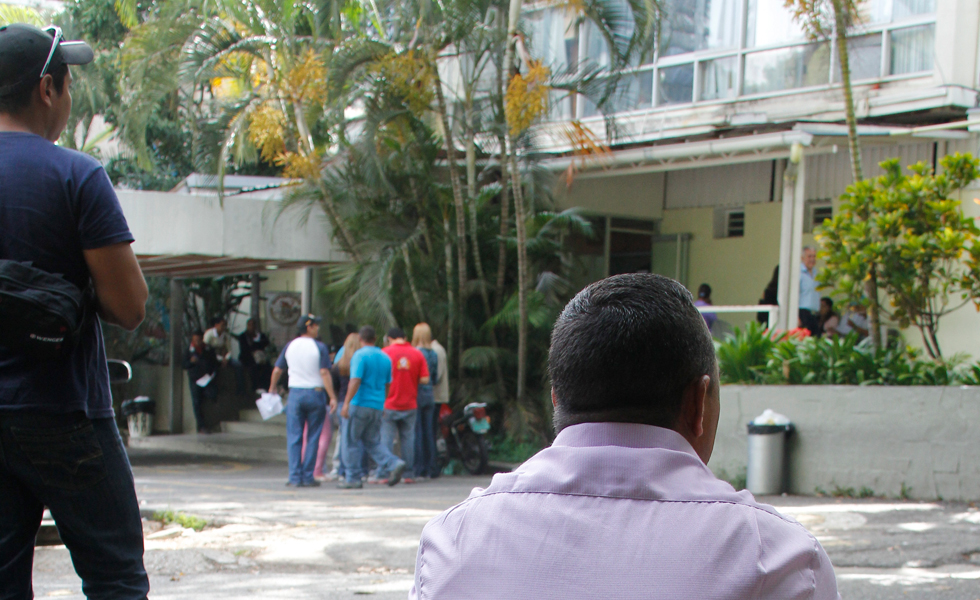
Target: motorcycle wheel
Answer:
[[473, 452]]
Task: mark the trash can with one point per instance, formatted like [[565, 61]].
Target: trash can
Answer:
[[767, 450], [139, 416]]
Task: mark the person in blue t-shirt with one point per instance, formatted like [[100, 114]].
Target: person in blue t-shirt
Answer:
[[370, 374], [60, 446]]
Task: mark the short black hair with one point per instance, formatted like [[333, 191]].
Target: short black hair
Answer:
[[704, 291], [830, 302], [396, 332], [18, 99], [217, 320], [197, 332], [624, 350], [368, 334]]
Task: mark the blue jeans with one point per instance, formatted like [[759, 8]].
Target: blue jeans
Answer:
[[425, 442], [401, 424], [78, 468], [306, 406], [364, 435]]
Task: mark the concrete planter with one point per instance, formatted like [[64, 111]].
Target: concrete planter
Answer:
[[882, 438]]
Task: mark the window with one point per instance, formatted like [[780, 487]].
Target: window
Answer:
[[787, 68], [863, 56], [817, 211], [770, 23], [718, 78], [692, 25], [675, 85], [911, 49], [735, 226], [729, 222]]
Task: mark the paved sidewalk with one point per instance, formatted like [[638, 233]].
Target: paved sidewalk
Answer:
[[268, 541]]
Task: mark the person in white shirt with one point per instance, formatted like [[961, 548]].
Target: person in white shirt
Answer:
[[218, 338], [622, 505], [308, 361]]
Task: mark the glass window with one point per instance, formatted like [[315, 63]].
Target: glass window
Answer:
[[864, 58], [887, 11], [787, 68], [675, 85], [634, 91], [551, 32], [911, 50], [769, 23], [690, 25], [718, 78]]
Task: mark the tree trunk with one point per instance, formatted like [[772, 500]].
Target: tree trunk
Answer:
[[459, 203], [451, 308], [411, 283], [519, 216], [475, 242], [854, 146], [498, 297]]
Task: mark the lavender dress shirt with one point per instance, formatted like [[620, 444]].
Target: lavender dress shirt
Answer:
[[614, 510]]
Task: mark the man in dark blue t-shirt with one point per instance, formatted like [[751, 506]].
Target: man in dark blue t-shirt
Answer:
[[59, 446]]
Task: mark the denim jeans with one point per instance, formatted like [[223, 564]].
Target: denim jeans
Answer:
[[425, 442], [305, 406], [400, 424], [78, 468], [364, 435]]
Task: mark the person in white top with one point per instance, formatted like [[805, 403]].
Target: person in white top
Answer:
[[219, 340], [623, 505], [308, 361]]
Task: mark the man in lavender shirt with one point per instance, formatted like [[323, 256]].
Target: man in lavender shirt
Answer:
[[622, 505]]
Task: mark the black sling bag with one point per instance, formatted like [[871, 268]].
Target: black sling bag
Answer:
[[42, 315]]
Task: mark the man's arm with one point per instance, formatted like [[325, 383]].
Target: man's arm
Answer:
[[355, 383], [119, 284], [276, 374]]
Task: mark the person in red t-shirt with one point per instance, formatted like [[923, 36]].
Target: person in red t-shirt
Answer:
[[408, 370]]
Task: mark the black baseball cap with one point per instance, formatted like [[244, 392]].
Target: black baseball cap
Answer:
[[306, 320], [24, 51]]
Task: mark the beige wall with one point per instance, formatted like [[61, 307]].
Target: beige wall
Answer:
[[640, 196], [737, 269]]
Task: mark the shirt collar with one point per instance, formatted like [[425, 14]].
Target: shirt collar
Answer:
[[625, 435]]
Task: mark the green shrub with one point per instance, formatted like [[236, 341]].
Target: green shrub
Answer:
[[753, 355]]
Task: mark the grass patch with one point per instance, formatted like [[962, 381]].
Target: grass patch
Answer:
[[843, 492], [184, 520], [866, 492]]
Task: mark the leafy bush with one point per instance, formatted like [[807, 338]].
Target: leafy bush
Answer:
[[755, 355], [184, 520]]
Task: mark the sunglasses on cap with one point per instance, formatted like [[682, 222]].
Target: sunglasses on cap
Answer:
[[56, 38]]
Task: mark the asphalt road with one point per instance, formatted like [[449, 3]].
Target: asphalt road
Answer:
[[264, 540]]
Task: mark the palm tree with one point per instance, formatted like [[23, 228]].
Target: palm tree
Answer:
[[822, 19]]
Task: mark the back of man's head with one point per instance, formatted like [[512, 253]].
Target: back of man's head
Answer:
[[396, 333], [368, 334], [624, 350]]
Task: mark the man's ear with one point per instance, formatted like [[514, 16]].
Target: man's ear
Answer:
[[47, 90], [692, 407]]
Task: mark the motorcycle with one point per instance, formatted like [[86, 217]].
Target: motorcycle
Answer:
[[462, 435]]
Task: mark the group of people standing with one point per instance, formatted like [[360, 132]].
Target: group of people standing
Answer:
[[376, 397]]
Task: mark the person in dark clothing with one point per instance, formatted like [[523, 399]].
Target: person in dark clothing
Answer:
[[200, 361], [425, 440], [252, 353], [769, 296]]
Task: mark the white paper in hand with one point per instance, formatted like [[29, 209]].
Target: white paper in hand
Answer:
[[205, 380], [269, 405]]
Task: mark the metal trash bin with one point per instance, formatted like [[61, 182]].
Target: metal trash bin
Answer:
[[139, 416], [767, 451]]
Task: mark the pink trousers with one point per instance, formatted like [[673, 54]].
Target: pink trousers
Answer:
[[321, 451]]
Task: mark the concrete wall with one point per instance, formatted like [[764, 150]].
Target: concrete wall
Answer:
[[638, 196], [852, 436]]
